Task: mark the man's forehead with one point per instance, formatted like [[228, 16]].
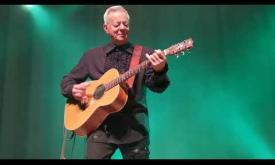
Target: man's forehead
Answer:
[[117, 13], [118, 17]]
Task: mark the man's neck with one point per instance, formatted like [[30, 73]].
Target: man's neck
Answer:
[[120, 43]]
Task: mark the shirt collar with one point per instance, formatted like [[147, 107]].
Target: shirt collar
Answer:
[[128, 47]]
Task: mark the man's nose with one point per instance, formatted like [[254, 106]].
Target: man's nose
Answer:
[[123, 26]]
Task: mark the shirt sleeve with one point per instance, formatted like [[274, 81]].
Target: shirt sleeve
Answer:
[[157, 81], [77, 75]]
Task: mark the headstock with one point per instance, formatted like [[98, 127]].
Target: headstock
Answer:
[[181, 47]]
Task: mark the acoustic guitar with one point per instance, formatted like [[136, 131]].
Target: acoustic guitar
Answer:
[[106, 95]]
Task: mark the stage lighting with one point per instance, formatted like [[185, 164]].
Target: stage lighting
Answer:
[[28, 6]]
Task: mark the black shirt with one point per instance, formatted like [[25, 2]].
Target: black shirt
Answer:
[[131, 123]]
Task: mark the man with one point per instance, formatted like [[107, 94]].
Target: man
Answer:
[[128, 128]]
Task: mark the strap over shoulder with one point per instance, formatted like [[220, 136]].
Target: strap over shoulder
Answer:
[[134, 62]]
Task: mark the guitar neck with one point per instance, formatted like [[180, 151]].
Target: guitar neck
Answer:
[[183, 46], [123, 77]]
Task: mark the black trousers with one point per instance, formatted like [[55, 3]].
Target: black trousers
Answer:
[[136, 150]]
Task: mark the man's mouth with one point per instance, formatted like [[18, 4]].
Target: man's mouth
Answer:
[[122, 35]]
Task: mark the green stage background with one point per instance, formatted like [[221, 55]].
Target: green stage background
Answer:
[[220, 103]]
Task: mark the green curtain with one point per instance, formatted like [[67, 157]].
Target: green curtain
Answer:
[[220, 103]]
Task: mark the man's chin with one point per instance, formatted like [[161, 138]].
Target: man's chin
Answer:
[[122, 41], [122, 38]]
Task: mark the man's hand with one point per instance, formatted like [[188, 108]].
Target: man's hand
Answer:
[[78, 91], [157, 59]]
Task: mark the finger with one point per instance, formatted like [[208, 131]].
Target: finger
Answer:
[[158, 51], [155, 58], [160, 59], [162, 56], [77, 87], [151, 60], [85, 84], [77, 90], [82, 85], [77, 96], [147, 56], [84, 100]]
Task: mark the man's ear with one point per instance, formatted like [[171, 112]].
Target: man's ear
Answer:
[[105, 28]]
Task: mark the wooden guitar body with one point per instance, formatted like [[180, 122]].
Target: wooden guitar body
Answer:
[[83, 120]]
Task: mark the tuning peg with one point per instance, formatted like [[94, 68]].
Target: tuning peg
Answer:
[[178, 54]]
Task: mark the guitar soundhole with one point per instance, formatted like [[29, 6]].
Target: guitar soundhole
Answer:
[[99, 91]]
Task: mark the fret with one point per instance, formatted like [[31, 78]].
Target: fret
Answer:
[[173, 50]]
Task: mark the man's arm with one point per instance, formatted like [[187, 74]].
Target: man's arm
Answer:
[[156, 76], [77, 75]]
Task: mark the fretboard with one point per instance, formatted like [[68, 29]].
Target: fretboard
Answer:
[[123, 77], [181, 47]]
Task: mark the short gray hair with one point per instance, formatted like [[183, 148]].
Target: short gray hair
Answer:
[[114, 9]]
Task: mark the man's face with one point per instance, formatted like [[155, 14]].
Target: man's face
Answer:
[[117, 27]]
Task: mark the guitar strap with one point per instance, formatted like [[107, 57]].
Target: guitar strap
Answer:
[[134, 62]]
